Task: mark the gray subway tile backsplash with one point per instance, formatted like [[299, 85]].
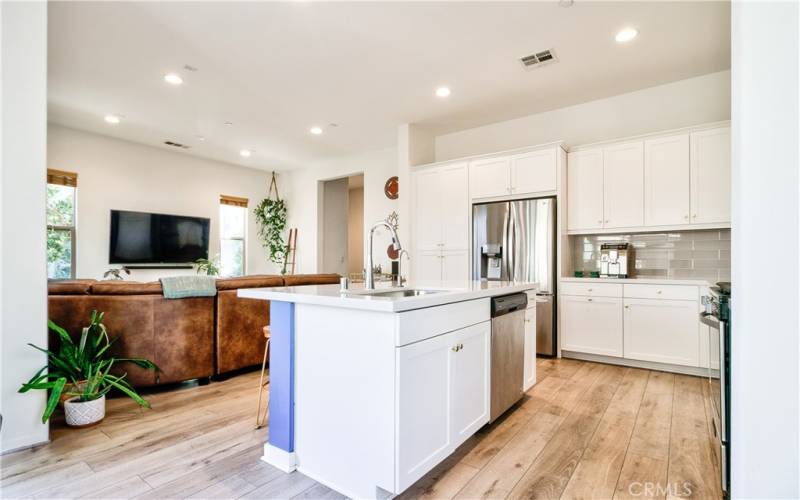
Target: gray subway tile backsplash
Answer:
[[702, 254]]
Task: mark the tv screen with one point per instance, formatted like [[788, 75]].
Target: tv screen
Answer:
[[144, 238]]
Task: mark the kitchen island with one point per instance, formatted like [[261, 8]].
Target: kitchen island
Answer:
[[369, 390]]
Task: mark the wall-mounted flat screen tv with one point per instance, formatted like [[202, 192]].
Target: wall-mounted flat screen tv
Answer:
[[145, 238]]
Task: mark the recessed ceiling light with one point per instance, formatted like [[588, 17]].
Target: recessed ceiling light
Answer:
[[315, 130], [626, 35], [245, 152], [442, 92], [112, 119], [228, 123], [173, 79]]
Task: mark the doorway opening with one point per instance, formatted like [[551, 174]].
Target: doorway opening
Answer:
[[343, 226]]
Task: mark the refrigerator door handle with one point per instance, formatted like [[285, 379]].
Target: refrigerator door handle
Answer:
[[512, 231], [506, 250]]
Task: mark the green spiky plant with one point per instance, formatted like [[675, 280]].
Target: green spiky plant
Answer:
[[83, 369], [209, 267]]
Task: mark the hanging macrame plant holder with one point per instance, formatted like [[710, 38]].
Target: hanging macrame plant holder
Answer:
[[271, 218]]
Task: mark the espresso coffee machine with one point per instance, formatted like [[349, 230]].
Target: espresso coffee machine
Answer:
[[614, 259]]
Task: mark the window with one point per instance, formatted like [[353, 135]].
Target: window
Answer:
[[233, 231], [61, 188]]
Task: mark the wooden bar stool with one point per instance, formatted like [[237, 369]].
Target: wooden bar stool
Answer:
[[261, 420]]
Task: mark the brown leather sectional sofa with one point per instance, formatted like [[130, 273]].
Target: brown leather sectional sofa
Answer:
[[187, 338]]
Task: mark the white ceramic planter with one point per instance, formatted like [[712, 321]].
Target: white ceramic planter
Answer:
[[87, 413]]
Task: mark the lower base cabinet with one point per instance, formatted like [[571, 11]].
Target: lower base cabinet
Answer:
[[591, 324], [663, 331], [443, 398]]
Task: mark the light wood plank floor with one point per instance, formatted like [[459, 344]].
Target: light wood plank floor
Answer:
[[585, 430]]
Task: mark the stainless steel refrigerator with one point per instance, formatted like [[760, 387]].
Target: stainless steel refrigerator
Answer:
[[516, 241]]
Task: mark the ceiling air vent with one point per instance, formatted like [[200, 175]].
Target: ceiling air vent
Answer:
[[539, 59], [176, 145]]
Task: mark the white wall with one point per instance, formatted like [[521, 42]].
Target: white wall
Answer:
[[23, 296], [765, 411], [115, 174], [304, 201], [693, 101]]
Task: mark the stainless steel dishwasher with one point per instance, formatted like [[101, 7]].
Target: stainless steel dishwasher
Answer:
[[508, 351]]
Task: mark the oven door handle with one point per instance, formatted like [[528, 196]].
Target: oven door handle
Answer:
[[710, 320]]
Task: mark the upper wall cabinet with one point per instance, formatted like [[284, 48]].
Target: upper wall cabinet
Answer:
[[666, 180], [521, 174], [677, 181], [489, 177], [585, 190], [711, 176], [623, 181]]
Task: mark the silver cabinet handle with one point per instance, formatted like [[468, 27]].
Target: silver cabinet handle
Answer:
[[589, 290], [627, 307], [589, 300], [694, 216], [658, 292], [686, 217], [606, 221]]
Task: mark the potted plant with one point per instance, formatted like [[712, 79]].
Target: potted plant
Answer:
[[209, 267], [81, 371], [115, 273]]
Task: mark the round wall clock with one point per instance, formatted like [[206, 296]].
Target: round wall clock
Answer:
[[390, 189]]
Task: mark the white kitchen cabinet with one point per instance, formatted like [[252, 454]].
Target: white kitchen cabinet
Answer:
[[667, 181], [428, 265], [441, 223], [664, 331], [428, 204], [453, 214], [591, 325], [623, 185], [530, 346], [470, 368], [585, 190], [489, 177], [423, 400], [443, 398], [534, 172], [711, 176], [455, 265]]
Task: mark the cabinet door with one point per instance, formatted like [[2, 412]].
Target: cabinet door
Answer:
[[534, 172], [623, 185], [469, 378], [530, 348], [489, 177], [585, 190], [666, 181], [428, 265], [454, 215], [591, 325], [664, 331], [427, 210], [711, 176], [455, 265], [423, 437]]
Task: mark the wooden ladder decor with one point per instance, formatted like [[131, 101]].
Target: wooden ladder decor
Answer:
[[291, 247]]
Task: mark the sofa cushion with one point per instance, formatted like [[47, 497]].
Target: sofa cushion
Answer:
[[256, 281], [311, 279], [69, 287], [117, 287]]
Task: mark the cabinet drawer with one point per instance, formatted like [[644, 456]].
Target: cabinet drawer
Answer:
[[671, 292], [591, 289], [421, 324]]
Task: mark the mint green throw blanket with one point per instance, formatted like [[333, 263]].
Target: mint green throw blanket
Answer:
[[180, 287]]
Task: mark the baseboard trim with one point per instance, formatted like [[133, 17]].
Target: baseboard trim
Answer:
[[649, 365], [282, 459]]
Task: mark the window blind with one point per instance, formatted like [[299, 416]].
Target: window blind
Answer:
[[62, 177], [233, 200]]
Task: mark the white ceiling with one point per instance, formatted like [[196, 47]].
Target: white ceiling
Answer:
[[276, 69]]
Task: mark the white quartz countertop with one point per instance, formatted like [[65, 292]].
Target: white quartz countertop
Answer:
[[641, 281], [358, 298]]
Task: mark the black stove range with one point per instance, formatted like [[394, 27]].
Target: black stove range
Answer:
[[717, 316]]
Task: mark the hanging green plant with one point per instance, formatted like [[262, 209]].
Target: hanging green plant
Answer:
[[271, 218]]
